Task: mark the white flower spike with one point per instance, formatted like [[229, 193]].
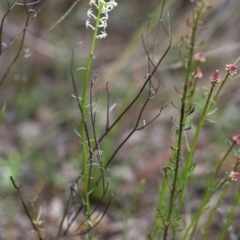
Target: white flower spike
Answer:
[[105, 7]]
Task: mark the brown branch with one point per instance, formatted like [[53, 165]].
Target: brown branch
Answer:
[[19, 50], [47, 228], [25, 208], [11, 26], [91, 228], [2, 22]]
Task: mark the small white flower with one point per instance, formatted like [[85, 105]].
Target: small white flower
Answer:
[[102, 35], [92, 2], [105, 17], [90, 13], [89, 25], [112, 2], [103, 24]]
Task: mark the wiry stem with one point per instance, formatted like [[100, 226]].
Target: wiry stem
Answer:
[[26, 209]]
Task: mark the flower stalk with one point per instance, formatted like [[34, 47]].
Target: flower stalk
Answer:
[[102, 8]]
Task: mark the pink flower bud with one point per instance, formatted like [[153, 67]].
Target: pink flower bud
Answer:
[[215, 78], [234, 176], [231, 69], [200, 56], [237, 138], [198, 73]]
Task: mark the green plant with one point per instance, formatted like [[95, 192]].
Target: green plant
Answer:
[[181, 166]]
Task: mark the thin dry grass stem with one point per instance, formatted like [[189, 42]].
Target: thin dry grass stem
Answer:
[[147, 48], [95, 209], [2, 22], [66, 209], [78, 102], [73, 218], [95, 225], [63, 218], [73, 193], [148, 78], [19, 50], [47, 228], [8, 3], [35, 13], [93, 121], [98, 154], [34, 199], [10, 8], [92, 111], [26, 209], [158, 28], [83, 222], [61, 18], [108, 105], [178, 91], [136, 127], [147, 51], [71, 221], [28, 4], [146, 124], [90, 173], [23, 33], [102, 197]]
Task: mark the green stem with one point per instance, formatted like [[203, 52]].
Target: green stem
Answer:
[[194, 221], [221, 86], [193, 148], [230, 217], [182, 118], [214, 211], [201, 209], [218, 91], [83, 104], [162, 202]]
